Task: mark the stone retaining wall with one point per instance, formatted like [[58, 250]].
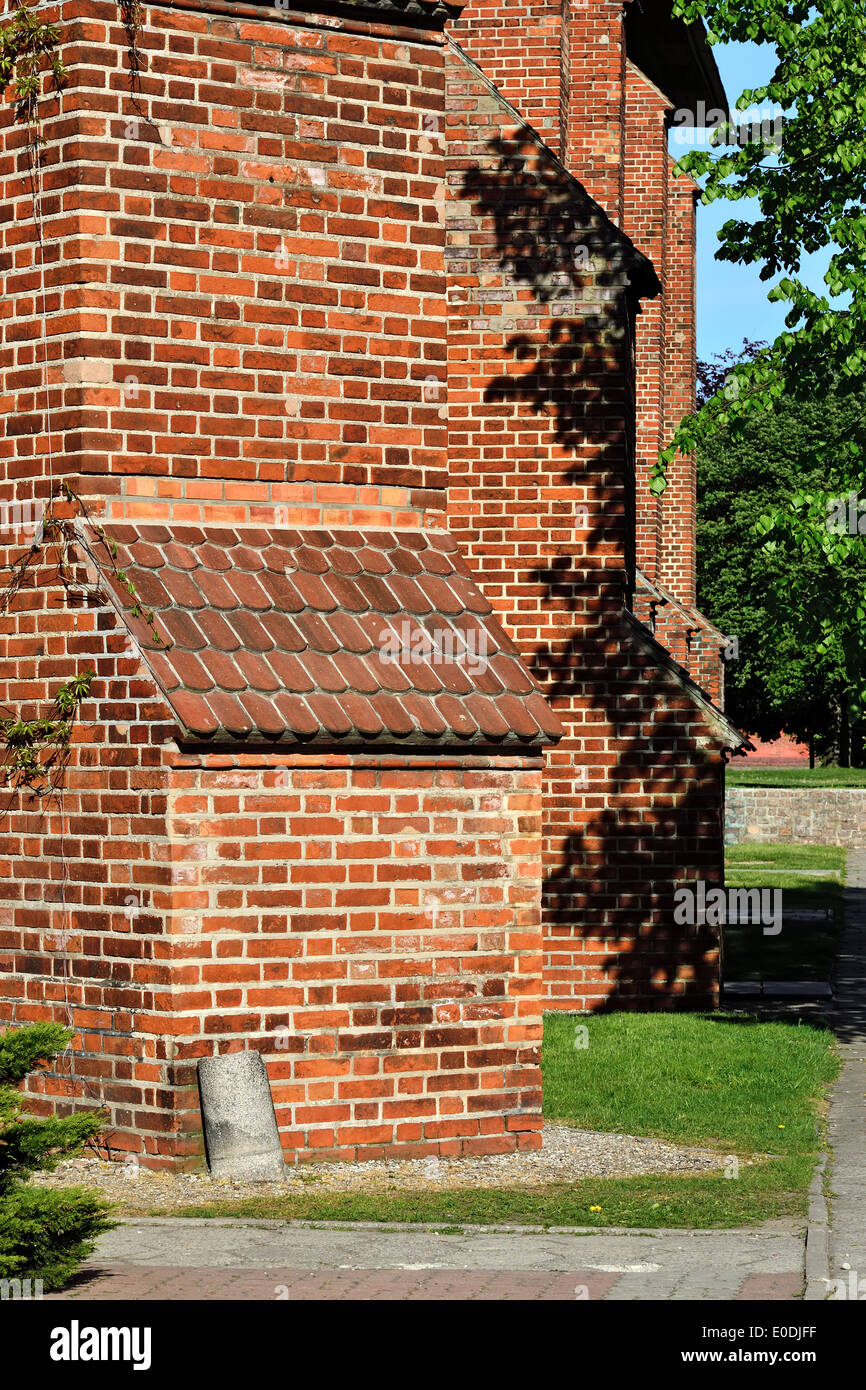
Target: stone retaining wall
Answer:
[[805, 816]]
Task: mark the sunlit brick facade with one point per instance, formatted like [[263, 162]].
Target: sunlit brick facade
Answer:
[[336, 347]]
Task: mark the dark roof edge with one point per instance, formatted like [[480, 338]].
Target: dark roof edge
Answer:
[[373, 748], [423, 15], [657, 36], [728, 734]]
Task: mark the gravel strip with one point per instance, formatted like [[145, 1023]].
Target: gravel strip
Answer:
[[567, 1156]]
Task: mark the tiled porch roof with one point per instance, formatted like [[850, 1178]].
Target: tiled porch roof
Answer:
[[339, 638]]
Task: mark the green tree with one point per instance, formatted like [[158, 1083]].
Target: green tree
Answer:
[[44, 1233], [809, 180], [793, 607], [806, 168], [813, 547]]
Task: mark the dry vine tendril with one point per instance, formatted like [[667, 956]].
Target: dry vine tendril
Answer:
[[37, 750]]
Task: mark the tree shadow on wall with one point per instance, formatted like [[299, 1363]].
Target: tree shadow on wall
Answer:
[[548, 229], [623, 858], [552, 239]]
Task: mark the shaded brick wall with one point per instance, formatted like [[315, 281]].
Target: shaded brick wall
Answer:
[[541, 458], [613, 136], [645, 221]]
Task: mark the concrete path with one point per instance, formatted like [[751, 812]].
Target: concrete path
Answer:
[[176, 1258], [847, 1115]]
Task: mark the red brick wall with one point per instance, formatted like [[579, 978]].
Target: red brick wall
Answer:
[[218, 902], [562, 64], [244, 281], [612, 135], [659, 216], [196, 376], [176, 340], [596, 100], [541, 455], [85, 878], [677, 557], [518, 45], [646, 220], [396, 998]]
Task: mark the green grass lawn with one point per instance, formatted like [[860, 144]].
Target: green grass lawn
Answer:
[[724, 1081], [810, 876], [769, 1190], [744, 776], [794, 858], [710, 1079]]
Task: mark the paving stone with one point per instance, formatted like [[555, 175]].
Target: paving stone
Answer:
[[798, 989], [846, 1121], [179, 1259]]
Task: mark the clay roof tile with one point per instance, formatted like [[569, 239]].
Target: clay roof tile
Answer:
[[342, 639]]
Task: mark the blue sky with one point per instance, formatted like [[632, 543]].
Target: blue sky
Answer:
[[732, 299]]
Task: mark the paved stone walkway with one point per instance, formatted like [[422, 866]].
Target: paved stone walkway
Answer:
[[177, 1258], [847, 1115]]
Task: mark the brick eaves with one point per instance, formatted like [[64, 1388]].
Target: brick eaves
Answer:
[[729, 736], [692, 615]]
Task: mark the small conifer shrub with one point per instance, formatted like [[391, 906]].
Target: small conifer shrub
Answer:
[[44, 1233]]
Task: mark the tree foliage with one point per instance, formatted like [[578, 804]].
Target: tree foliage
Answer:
[[801, 395], [27, 47], [795, 606], [811, 195]]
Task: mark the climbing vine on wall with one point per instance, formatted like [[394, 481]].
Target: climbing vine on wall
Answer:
[[130, 13], [26, 46], [36, 751]]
